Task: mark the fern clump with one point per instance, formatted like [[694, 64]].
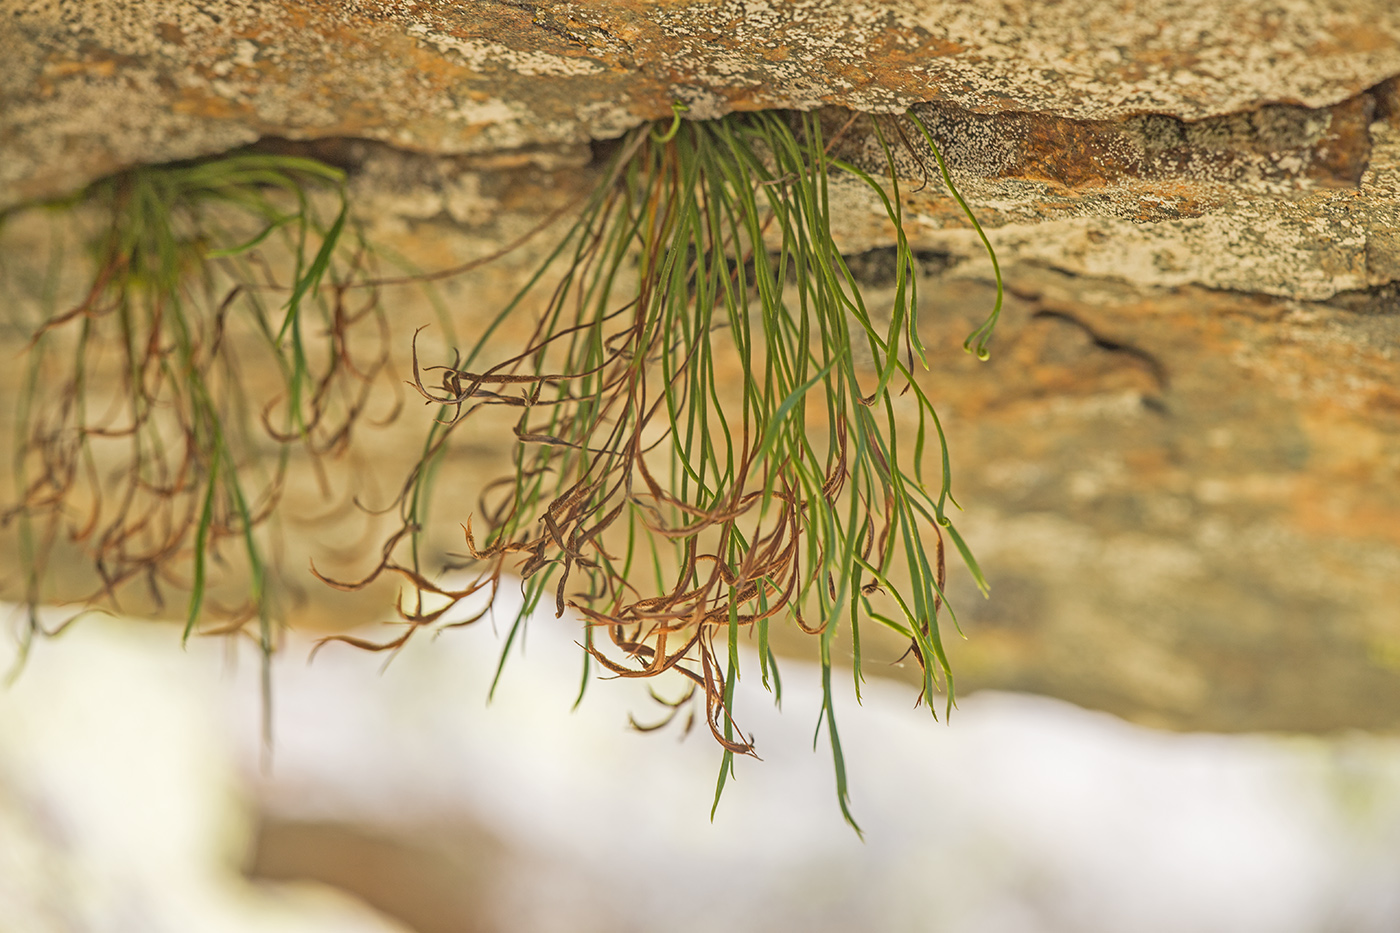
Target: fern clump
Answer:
[[142, 439], [705, 409], [705, 440]]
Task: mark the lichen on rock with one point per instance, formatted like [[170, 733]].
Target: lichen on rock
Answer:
[[1180, 465]]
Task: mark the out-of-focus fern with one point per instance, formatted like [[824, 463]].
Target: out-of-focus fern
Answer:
[[174, 475]]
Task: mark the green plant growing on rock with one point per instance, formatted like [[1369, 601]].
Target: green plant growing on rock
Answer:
[[171, 479], [706, 411], [699, 448]]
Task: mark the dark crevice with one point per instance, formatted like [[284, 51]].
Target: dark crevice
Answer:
[[1270, 143], [1378, 299], [1153, 365], [878, 268], [1387, 98], [346, 153]]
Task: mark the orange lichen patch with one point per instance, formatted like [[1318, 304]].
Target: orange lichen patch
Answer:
[[568, 71], [1277, 145], [931, 46], [95, 68], [199, 102], [1073, 153], [1185, 198]]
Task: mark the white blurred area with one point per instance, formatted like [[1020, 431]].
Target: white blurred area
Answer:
[[132, 800]]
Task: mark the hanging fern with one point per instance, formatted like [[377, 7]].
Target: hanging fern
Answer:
[[699, 450]]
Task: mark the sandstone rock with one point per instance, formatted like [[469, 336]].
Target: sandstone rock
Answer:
[[1181, 465], [1163, 144], [1187, 502], [1284, 200], [90, 87]]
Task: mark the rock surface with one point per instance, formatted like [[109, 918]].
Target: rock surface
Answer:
[[1182, 464], [1189, 502], [93, 86], [1156, 140], [1283, 200]]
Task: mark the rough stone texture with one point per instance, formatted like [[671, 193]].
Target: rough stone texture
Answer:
[[1189, 502], [1181, 466], [87, 87], [1284, 200], [1164, 143]]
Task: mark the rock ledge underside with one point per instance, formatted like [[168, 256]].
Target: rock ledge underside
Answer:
[[1182, 465]]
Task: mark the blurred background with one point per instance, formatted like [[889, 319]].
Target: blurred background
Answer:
[[136, 795]]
